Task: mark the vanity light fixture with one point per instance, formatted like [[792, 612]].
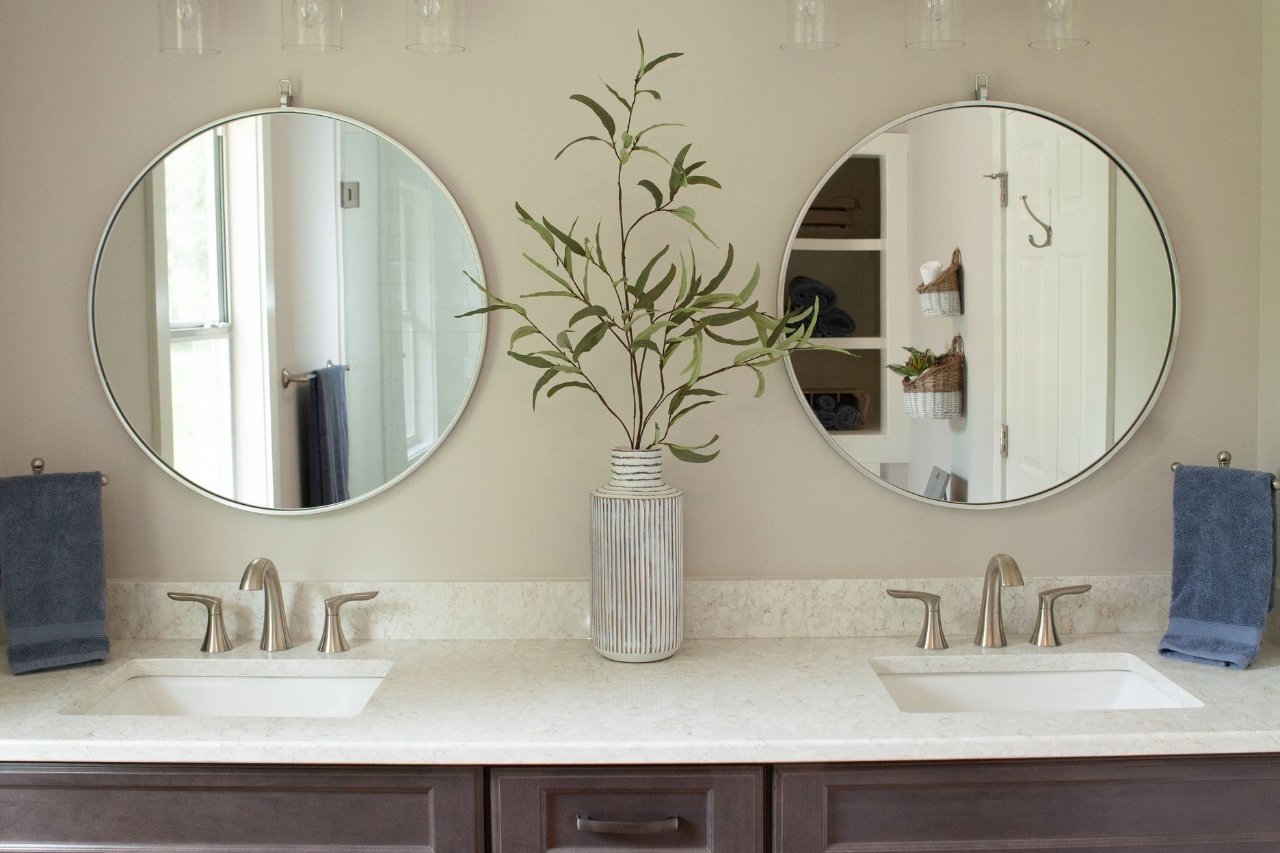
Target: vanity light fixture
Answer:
[[311, 25], [189, 27], [435, 26], [807, 25], [932, 24], [1057, 24]]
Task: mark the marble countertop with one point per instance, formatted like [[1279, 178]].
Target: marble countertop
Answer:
[[558, 702]]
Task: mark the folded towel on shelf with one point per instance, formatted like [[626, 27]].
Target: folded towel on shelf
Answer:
[[833, 322], [930, 271], [805, 291], [824, 403], [1224, 556], [52, 580], [827, 420], [328, 449]]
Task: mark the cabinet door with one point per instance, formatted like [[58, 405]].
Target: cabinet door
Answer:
[[62, 807], [713, 809], [1218, 803]]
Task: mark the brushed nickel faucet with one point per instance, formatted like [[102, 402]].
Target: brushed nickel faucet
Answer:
[[261, 574], [1002, 571]]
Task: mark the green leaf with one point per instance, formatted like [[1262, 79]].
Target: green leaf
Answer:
[[589, 311], [522, 332], [694, 368], [531, 360], [570, 243], [588, 341], [688, 215], [737, 342], [485, 310], [552, 274], [651, 92], [757, 352], [562, 340], [653, 151], [576, 141], [558, 388], [719, 277], [641, 134], [600, 252], [726, 318], [653, 191], [678, 165], [643, 278], [704, 180], [687, 409], [650, 297], [601, 113], [542, 381], [650, 66], [646, 344], [690, 454], [648, 333], [759, 380], [542, 293], [702, 392], [626, 105], [746, 292]]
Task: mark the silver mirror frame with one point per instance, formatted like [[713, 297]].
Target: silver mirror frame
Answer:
[[1174, 323], [97, 358]]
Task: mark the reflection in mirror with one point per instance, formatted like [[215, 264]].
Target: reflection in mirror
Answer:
[[1068, 303], [287, 240]]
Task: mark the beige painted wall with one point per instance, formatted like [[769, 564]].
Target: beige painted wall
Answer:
[[85, 101], [1269, 298]]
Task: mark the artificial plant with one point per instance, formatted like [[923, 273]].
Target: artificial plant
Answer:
[[676, 327]]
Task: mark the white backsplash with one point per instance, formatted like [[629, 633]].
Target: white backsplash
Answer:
[[558, 610]]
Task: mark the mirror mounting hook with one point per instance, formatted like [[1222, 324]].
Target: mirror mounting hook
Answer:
[[286, 94], [980, 87]]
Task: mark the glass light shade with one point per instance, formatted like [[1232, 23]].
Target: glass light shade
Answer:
[[312, 25], [1057, 24], [435, 26], [189, 26], [808, 24], [932, 24]]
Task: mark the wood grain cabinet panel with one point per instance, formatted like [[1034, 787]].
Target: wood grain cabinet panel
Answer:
[[172, 808], [1184, 804], [592, 810]]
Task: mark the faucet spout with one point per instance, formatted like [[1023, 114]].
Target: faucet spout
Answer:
[[1002, 571], [261, 574]]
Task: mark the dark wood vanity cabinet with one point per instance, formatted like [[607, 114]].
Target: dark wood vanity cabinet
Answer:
[[169, 808], [706, 809], [1184, 804]]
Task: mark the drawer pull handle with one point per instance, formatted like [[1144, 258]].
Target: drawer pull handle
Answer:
[[628, 827]]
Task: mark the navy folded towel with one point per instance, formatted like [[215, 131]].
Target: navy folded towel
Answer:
[[328, 449], [805, 291], [834, 322], [51, 570], [1224, 557]]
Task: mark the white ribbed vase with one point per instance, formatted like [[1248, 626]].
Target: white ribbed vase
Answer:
[[637, 561]]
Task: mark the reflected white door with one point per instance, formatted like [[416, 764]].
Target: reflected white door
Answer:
[[1057, 304]]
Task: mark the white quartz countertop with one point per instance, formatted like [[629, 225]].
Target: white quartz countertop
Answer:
[[717, 701]]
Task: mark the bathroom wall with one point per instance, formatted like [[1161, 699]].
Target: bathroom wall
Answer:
[[85, 101]]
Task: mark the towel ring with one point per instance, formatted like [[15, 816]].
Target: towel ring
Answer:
[[37, 467], [1224, 461]]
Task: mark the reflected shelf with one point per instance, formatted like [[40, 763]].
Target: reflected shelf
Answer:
[[836, 244]]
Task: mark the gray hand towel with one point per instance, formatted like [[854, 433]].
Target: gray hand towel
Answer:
[[328, 450], [51, 570], [1224, 557]]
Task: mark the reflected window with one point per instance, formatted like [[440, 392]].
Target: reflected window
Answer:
[[199, 327]]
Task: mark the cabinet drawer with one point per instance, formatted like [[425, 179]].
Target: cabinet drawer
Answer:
[[124, 807], [1212, 803], [715, 809]]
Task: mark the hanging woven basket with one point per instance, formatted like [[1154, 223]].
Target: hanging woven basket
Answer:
[[941, 297], [939, 391]]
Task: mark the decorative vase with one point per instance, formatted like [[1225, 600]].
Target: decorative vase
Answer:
[[637, 560]]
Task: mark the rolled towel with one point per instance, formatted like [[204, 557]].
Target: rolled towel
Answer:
[[846, 416], [805, 291], [51, 570], [834, 322], [827, 419], [930, 271], [824, 403]]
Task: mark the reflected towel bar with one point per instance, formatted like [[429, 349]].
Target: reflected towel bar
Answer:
[[37, 467], [287, 378], [1224, 461]]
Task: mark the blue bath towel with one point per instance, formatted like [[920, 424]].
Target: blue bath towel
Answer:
[[51, 570], [1224, 557], [327, 445]]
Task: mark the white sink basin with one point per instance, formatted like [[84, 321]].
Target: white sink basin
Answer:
[[245, 688], [1067, 682]]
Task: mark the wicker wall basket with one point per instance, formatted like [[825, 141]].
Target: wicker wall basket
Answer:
[[939, 391], [941, 297]]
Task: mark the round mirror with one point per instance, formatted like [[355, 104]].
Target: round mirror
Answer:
[[273, 310], [1008, 294]]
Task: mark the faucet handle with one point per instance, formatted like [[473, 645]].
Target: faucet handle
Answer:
[[931, 636], [1046, 632], [332, 640], [215, 632]]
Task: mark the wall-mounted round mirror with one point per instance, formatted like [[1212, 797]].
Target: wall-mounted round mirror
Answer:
[[273, 310], [1063, 299]]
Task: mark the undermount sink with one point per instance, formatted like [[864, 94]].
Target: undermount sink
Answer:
[[1067, 682], [244, 688]]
